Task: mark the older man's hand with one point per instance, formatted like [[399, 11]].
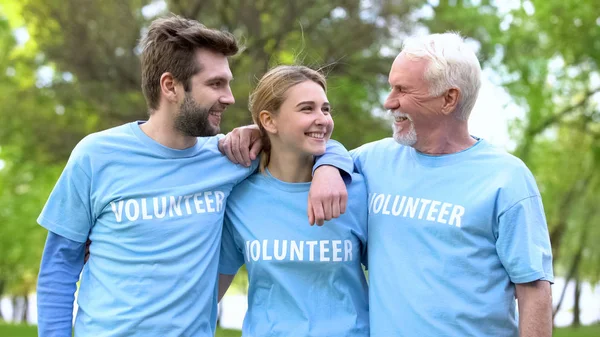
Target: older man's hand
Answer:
[[328, 196]]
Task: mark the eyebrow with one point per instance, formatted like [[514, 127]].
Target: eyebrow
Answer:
[[219, 78], [310, 102]]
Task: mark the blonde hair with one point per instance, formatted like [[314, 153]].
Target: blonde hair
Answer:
[[270, 93]]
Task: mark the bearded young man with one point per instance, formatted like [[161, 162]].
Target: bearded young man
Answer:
[[150, 196]]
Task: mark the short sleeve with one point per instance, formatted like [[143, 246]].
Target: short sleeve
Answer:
[[358, 156], [68, 211], [523, 242], [358, 197], [232, 256], [337, 156]]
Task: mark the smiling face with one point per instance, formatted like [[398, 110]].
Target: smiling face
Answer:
[[209, 96], [303, 124], [415, 111]]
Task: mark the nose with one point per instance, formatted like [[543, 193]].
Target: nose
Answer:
[[227, 97], [391, 103], [323, 119]]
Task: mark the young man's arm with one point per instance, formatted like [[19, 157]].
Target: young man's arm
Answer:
[[61, 265], [535, 309]]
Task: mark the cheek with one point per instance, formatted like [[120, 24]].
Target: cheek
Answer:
[[330, 124]]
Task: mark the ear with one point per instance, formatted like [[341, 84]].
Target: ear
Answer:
[[268, 121], [168, 87], [451, 98]]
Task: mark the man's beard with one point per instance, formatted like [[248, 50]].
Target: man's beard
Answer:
[[192, 119], [407, 139]]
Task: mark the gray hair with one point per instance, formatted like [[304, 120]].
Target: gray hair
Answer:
[[452, 64]]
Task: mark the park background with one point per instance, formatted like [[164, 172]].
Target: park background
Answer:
[[71, 67]]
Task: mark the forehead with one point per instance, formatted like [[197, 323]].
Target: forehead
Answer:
[[306, 91], [212, 65], [406, 70]]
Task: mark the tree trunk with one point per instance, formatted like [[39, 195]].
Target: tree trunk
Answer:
[[576, 305], [24, 314], [572, 272], [15, 307], [2, 283]]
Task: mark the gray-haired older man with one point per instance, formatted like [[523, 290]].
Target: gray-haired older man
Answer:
[[456, 226]]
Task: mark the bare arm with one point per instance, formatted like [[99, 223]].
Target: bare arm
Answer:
[[535, 309], [224, 283]]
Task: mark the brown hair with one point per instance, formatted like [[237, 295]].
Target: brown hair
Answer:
[[170, 46], [269, 95]]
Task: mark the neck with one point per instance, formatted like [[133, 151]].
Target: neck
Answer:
[[290, 167], [160, 128], [450, 137]]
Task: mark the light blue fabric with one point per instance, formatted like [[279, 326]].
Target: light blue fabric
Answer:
[[303, 280], [61, 264], [154, 216], [448, 238]]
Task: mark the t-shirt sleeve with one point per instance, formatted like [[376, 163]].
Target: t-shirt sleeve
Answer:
[[358, 156], [336, 155], [358, 197], [68, 211], [523, 242], [232, 256]]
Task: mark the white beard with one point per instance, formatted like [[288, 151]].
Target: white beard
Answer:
[[408, 139]]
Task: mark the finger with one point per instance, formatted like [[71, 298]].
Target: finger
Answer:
[[327, 210], [228, 150], [319, 214], [311, 213], [245, 149], [335, 208], [235, 148], [256, 148], [343, 202], [220, 145]]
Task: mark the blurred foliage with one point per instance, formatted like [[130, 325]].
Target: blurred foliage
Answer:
[[77, 71]]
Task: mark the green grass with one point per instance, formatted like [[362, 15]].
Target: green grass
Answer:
[[584, 331], [8, 330]]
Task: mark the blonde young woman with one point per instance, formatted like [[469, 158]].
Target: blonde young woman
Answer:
[[303, 280]]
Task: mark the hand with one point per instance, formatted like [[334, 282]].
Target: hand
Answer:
[[328, 196], [242, 145]]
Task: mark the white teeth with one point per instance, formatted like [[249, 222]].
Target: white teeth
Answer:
[[316, 135]]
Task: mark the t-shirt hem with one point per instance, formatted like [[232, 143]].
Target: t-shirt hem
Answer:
[[533, 276], [62, 231]]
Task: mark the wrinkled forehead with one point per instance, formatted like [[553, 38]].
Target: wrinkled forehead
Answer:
[[408, 68]]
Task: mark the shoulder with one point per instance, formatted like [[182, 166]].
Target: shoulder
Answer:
[[383, 144], [513, 178], [502, 161], [249, 188], [101, 142]]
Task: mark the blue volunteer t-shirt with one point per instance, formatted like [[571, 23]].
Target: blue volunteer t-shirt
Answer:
[[154, 215], [448, 237], [303, 280]]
